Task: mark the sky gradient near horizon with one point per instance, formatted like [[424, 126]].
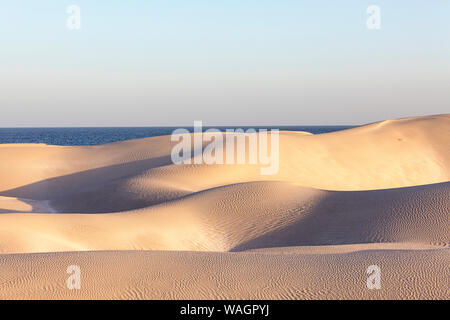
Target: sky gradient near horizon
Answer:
[[168, 63]]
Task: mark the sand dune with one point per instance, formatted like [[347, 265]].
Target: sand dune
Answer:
[[379, 192], [241, 217], [393, 154], [406, 274]]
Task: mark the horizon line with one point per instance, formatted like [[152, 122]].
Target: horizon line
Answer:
[[183, 126]]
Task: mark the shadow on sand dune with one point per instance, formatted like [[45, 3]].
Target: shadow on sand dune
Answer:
[[99, 190], [351, 217]]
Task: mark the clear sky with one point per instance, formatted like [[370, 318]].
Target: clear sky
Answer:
[[225, 62]]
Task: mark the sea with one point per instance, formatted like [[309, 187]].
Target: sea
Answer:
[[101, 135]]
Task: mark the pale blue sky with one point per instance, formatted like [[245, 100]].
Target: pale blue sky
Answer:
[[280, 62]]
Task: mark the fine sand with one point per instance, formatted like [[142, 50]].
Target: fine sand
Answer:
[[141, 227]]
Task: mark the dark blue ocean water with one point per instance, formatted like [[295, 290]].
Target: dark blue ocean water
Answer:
[[95, 136]]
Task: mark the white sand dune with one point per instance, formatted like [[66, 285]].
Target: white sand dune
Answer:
[[241, 217], [405, 274], [376, 194], [390, 154]]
